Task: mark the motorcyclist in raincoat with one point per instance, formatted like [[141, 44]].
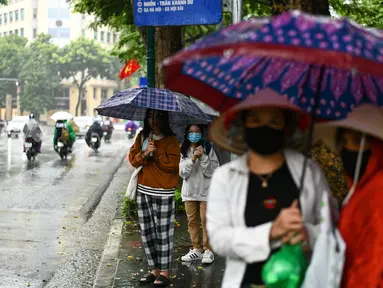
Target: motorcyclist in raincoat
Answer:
[[95, 128], [67, 135], [108, 127], [32, 130]]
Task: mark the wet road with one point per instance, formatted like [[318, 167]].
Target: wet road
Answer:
[[43, 205]]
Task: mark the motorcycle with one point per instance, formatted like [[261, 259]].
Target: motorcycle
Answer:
[[62, 149], [130, 133], [95, 142], [107, 135], [30, 149]]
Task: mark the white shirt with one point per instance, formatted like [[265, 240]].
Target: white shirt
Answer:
[[228, 234]]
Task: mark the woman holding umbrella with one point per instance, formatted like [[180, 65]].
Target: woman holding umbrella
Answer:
[[156, 149], [361, 136], [253, 204]]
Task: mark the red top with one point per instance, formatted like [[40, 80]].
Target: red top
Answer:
[[362, 228]]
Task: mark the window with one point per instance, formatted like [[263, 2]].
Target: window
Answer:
[[94, 93], [114, 38], [104, 94], [66, 93], [34, 13], [17, 31], [5, 18], [22, 32], [22, 13], [102, 36], [10, 32], [10, 16], [95, 34], [62, 100], [64, 33], [108, 37], [1, 19], [83, 32], [34, 32], [55, 13], [16, 15], [53, 32]]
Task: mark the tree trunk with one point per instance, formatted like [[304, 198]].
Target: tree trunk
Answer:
[[80, 91], [168, 42], [312, 6], [80, 88]]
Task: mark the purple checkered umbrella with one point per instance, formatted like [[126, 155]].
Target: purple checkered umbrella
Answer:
[[131, 104]]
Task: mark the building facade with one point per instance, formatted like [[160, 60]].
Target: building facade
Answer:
[[29, 18]]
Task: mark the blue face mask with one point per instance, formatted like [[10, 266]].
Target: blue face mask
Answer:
[[194, 137]]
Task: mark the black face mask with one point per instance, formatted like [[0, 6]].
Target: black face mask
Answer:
[[265, 140], [349, 159]]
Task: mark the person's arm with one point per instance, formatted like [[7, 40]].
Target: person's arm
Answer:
[[186, 166], [169, 161], [248, 244], [209, 163], [25, 129], [136, 159]]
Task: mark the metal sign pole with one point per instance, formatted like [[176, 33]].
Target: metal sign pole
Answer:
[[237, 13], [151, 56]]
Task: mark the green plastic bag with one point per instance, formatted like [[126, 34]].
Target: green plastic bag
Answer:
[[285, 268]]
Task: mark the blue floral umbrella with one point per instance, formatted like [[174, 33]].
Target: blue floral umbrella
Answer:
[[132, 104], [302, 57]]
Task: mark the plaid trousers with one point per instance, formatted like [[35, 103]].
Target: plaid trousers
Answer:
[[156, 216]]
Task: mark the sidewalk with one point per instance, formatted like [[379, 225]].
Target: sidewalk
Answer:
[[125, 270]]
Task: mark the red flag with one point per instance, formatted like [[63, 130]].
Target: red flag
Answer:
[[129, 69]]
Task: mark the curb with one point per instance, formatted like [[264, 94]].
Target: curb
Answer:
[[108, 266], [92, 202]]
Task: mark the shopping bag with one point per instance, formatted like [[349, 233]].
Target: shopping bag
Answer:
[[327, 262], [131, 191], [285, 268]]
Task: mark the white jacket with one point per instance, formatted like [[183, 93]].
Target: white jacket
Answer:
[[196, 176], [228, 234]]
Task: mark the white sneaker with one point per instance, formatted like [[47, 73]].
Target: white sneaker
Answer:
[[208, 257], [193, 255]]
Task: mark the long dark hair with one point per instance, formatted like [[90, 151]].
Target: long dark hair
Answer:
[[164, 124], [186, 143]]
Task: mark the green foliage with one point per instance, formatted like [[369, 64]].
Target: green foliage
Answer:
[[180, 206], [129, 207], [365, 12], [12, 52], [118, 14], [39, 75], [82, 60]]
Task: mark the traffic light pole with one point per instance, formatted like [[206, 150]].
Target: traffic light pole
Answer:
[[151, 56]]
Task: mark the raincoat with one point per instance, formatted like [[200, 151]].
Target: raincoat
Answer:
[[131, 125], [72, 134], [32, 130], [361, 227], [76, 129]]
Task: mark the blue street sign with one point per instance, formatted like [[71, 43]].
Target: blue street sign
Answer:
[[177, 12], [143, 82]]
